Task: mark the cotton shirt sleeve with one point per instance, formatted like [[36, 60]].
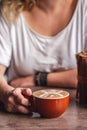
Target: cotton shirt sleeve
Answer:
[[5, 42]]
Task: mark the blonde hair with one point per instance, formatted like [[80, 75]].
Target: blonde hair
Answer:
[[12, 8]]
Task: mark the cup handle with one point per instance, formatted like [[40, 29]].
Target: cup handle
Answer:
[[32, 102]]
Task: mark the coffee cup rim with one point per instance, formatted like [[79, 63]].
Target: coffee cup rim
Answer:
[[51, 98]]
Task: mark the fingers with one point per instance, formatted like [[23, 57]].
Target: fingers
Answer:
[[16, 102], [10, 107], [19, 98]]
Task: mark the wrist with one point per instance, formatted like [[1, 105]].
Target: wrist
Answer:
[[40, 79], [4, 90]]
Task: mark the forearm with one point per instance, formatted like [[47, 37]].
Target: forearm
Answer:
[[58, 79], [4, 88], [63, 79]]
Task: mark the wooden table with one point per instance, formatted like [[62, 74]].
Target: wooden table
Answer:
[[74, 118]]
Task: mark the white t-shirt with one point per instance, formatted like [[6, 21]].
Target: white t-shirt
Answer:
[[23, 51]]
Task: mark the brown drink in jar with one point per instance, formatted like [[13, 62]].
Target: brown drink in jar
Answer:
[[81, 94]]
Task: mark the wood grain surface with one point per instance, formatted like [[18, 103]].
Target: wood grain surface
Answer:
[[74, 118]]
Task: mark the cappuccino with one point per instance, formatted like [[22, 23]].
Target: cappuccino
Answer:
[[50, 94]]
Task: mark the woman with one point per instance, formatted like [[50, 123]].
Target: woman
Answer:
[[38, 43]]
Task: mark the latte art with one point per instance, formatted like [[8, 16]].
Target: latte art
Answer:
[[50, 93]]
